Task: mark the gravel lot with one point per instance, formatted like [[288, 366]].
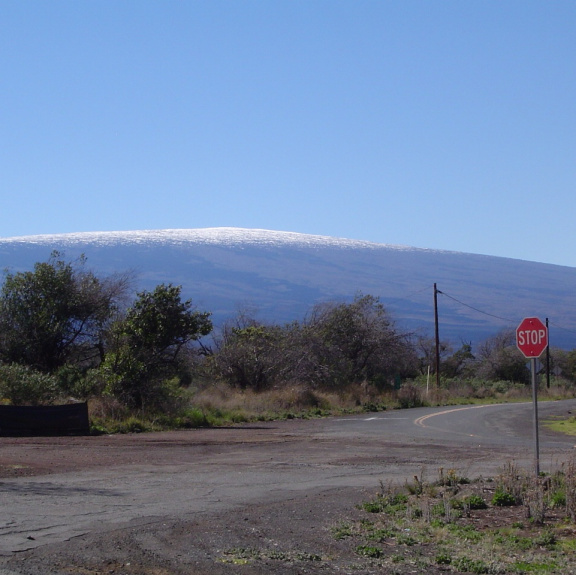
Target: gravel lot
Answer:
[[246, 500]]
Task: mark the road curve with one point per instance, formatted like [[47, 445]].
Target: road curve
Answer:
[[83, 485]]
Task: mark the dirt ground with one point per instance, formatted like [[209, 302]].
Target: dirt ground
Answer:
[[287, 537]]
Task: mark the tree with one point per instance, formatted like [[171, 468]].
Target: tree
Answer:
[[147, 344], [460, 363], [56, 314], [563, 363], [249, 356], [356, 343], [252, 355], [500, 359], [426, 351]]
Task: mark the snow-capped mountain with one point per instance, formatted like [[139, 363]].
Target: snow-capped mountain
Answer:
[[282, 274]]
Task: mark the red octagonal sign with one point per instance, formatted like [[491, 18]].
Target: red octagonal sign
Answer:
[[532, 337]]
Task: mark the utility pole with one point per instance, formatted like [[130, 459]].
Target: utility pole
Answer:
[[437, 337], [548, 357]]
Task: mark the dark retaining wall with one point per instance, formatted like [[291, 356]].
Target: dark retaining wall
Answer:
[[44, 420]]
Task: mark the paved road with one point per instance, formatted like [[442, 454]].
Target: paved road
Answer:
[[101, 482]]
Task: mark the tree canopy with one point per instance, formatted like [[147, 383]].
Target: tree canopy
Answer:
[[56, 314], [148, 342]]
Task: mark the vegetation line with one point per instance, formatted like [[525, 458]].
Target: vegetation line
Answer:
[[153, 360]]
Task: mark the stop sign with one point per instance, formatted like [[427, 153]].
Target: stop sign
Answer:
[[531, 337]]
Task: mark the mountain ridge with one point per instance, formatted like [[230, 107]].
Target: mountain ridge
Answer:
[[282, 274]]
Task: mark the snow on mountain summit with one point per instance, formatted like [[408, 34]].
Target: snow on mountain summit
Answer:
[[224, 236]]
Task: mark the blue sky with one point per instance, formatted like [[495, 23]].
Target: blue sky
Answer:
[[446, 124]]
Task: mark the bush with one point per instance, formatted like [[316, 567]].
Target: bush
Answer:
[[22, 385], [79, 383], [475, 502], [502, 498], [410, 396]]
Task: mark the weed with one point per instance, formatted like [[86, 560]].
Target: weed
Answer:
[[133, 425], [532, 567], [518, 525], [466, 532], [558, 498], [406, 539], [502, 498], [386, 503], [451, 478], [278, 556], [342, 531], [546, 539], [308, 557], [570, 489], [380, 535], [369, 551], [536, 502], [245, 553], [443, 558], [366, 524], [376, 506], [416, 487], [475, 502], [512, 480], [471, 565], [458, 535], [512, 541], [438, 509]]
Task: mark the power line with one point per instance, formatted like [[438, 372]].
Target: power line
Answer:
[[507, 319], [560, 327]]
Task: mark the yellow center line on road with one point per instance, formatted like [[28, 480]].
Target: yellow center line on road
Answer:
[[420, 420]]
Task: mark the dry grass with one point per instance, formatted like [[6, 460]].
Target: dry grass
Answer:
[[291, 401], [216, 403]]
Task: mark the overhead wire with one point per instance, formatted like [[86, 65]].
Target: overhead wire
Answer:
[[507, 319], [476, 309]]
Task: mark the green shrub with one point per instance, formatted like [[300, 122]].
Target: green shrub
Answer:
[[502, 498], [22, 385], [387, 503], [79, 383], [377, 506], [381, 535], [475, 502], [558, 498], [443, 558], [546, 539]]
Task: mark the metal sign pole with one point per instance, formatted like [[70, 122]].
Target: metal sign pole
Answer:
[[532, 340], [535, 402]]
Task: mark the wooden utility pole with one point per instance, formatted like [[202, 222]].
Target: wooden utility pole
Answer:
[[437, 337], [548, 357]]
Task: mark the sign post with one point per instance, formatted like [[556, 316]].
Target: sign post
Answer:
[[532, 340]]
